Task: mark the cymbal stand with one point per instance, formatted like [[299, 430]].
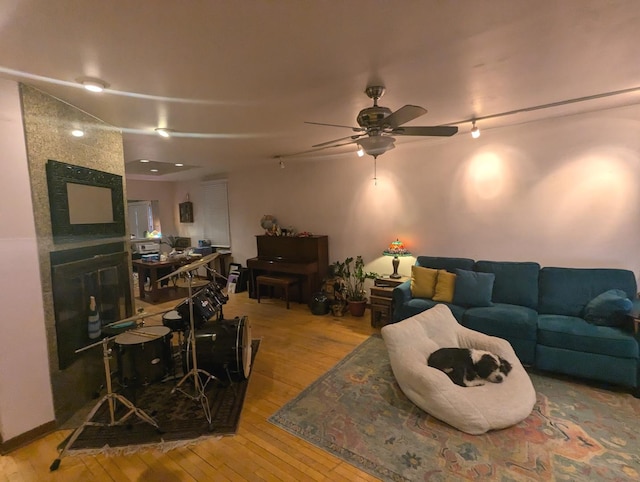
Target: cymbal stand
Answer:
[[111, 398], [195, 372]]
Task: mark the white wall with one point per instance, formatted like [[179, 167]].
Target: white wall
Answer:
[[26, 400], [561, 192]]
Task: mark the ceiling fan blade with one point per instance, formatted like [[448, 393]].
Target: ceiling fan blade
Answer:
[[354, 129], [354, 137], [402, 115], [443, 131]]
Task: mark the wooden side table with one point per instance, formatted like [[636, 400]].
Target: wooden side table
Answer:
[[382, 300]]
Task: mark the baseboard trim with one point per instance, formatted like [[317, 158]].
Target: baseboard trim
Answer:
[[27, 437]]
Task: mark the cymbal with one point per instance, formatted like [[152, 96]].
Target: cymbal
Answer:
[[137, 317], [191, 266]]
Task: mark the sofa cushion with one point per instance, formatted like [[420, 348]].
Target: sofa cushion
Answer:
[[445, 286], [503, 320], [423, 282], [608, 308], [441, 262], [473, 288], [567, 291], [516, 283], [573, 333]]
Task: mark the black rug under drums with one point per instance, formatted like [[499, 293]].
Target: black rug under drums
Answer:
[[181, 419]]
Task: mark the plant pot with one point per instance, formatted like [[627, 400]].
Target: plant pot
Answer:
[[356, 308]]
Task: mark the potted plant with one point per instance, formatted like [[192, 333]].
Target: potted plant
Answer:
[[353, 275]]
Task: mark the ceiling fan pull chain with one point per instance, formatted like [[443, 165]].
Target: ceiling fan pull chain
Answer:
[[375, 171]]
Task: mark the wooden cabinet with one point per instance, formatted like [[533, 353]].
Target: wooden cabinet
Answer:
[[382, 300]]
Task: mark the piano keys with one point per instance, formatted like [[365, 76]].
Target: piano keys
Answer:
[[306, 257]]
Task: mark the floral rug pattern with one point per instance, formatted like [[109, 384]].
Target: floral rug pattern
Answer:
[[357, 412]]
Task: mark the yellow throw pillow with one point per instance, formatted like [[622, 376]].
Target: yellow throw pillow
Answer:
[[445, 286], [423, 282]]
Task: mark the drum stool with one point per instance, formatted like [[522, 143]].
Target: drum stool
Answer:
[[282, 282]]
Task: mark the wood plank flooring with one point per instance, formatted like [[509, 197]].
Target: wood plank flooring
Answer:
[[296, 348]]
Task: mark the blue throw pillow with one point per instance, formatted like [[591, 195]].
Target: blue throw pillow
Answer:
[[608, 308], [473, 288]]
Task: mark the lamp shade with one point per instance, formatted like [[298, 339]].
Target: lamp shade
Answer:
[[396, 248]]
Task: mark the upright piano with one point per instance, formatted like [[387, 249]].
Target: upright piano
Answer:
[[304, 256]]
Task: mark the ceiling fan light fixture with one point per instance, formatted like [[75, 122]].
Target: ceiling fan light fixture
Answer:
[[360, 151], [475, 131], [376, 145]]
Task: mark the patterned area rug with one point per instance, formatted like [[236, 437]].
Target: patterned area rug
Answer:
[[181, 419], [357, 412]]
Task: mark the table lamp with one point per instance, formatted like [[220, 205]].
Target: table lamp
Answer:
[[396, 249]]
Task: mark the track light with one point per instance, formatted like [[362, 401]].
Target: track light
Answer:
[[163, 132], [92, 84], [475, 132]]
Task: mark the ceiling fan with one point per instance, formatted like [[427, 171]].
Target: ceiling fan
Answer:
[[378, 125]]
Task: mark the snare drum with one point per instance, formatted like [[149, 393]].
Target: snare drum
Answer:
[[222, 349], [144, 355]]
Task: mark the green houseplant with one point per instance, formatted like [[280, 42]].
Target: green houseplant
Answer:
[[353, 275]]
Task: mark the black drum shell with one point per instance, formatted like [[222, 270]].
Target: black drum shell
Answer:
[[228, 356]]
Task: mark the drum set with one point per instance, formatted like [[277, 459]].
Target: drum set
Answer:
[[209, 348]]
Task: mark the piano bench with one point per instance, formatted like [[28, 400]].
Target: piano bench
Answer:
[[283, 282]]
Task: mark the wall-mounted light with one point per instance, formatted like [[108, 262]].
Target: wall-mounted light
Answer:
[[163, 132], [77, 133], [93, 84], [475, 132]]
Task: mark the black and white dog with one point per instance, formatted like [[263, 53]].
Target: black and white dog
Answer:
[[468, 367]]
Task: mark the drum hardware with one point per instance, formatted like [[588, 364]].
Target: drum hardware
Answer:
[[195, 372], [111, 398]]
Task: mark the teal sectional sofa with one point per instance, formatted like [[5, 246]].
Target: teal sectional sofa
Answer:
[[565, 320]]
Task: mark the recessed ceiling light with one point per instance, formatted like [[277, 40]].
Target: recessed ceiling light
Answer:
[[153, 170], [144, 160], [179, 164], [92, 84], [77, 133], [164, 132]]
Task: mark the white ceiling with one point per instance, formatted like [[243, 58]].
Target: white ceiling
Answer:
[[237, 79]]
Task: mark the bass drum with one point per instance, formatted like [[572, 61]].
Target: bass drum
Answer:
[[223, 349]]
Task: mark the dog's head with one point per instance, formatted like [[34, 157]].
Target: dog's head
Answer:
[[492, 367]]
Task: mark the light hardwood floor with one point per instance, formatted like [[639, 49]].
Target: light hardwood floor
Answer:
[[296, 348]]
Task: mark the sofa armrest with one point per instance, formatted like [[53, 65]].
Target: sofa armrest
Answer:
[[402, 293]]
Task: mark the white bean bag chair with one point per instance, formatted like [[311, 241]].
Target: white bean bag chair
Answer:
[[474, 410]]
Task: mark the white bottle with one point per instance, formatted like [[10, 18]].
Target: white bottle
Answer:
[[94, 320]]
